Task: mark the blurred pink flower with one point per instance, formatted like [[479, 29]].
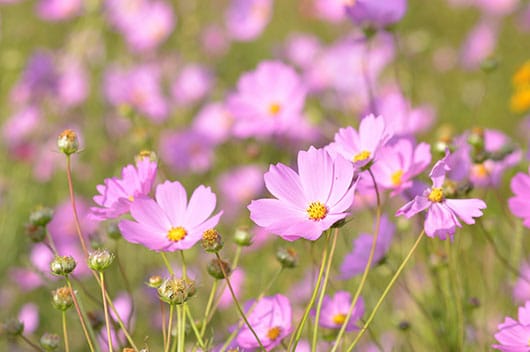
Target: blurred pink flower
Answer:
[[512, 335], [214, 121], [29, 316], [268, 100], [336, 308], [518, 204], [306, 203], [330, 10], [245, 20], [238, 187], [521, 289], [187, 151], [171, 223], [58, 10], [302, 49], [479, 45], [375, 13], [193, 83]]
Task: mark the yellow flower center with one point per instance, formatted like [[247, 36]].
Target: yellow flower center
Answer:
[[396, 178], [274, 109], [436, 195], [317, 211], [480, 170], [339, 319], [131, 198], [176, 234], [363, 155], [520, 101], [273, 333]]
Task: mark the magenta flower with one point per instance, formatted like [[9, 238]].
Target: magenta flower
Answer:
[[187, 151], [117, 194], [518, 204], [271, 320], [512, 335], [336, 308], [360, 147], [355, 261], [480, 44], [214, 121], [193, 83], [246, 19], [171, 223], [443, 214], [58, 10], [376, 13], [268, 100], [399, 163], [309, 202]]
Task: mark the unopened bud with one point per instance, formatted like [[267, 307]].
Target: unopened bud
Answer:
[[176, 291], [242, 237], [287, 257], [100, 259], [41, 216], [50, 342], [154, 281], [35, 233], [113, 231], [211, 241], [13, 327], [489, 64], [476, 139], [404, 325], [218, 268], [62, 265], [62, 298], [146, 154], [67, 142]]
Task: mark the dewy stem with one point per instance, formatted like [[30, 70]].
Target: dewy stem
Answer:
[[386, 291], [238, 306], [323, 290], [298, 332], [366, 268]]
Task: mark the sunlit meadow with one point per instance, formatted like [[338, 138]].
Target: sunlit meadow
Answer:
[[260, 175]]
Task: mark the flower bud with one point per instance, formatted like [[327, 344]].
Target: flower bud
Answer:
[[62, 265], [62, 298], [100, 259], [211, 241], [41, 216], [404, 325], [146, 154], [489, 65], [176, 291], [154, 281], [287, 257], [13, 327], [113, 231], [35, 233], [67, 142], [50, 342], [476, 139], [242, 237], [218, 268]]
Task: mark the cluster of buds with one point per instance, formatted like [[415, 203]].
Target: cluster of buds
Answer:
[[62, 298], [100, 259], [36, 226], [175, 291]]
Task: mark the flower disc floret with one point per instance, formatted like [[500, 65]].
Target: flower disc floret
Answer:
[[363, 155], [317, 211], [436, 195], [176, 234], [273, 333], [397, 178]]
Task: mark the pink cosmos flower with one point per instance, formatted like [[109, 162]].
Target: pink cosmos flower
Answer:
[[187, 151], [306, 203], [271, 320], [399, 163], [117, 194], [29, 316], [171, 223], [246, 19], [443, 214], [336, 308], [512, 335], [58, 10], [518, 204], [192, 84], [480, 44], [302, 49], [355, 261], [376, 13], [268, 100], [330, 10], [521, 289], [214, 121], [360, 147]]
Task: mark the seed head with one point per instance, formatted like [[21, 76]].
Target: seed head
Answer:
[[212, 241], [62, 265], [100, 259], [218, 268], [175, 291], [67, 142], [62, 298], [50, 342]]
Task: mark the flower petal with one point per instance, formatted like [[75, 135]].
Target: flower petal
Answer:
[[466, 209], [172, 198], [283, 183]]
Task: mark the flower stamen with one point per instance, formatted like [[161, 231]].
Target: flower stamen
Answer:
[[317, 211], [273, 333], [396, 178], [274, 109], [363, 155], [176, 234], [436, 195], [339, 318]]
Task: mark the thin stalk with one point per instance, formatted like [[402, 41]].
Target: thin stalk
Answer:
[[208, 307], [127, 285], [120, 322], [89, 333], [169, 327], [184, 271], [298, 332], [166, 262], [386, 291], [323, 290], [181, 329], [28, 341], [105, 309], [453, 282], [74, 208], [238, 306], [163, 316], [65, 333], [193, 326], [366, 268]]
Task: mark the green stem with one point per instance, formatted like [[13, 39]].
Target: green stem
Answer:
[[453, 281], [208, 307], [28, 341], [238, 306], [74, 208], [298, 332], [65, 333], [163, 316], [105, 309], [166, 262], [169, 327], [184, 271], [366, 268], [386, 291], [89, 333], [193, 326], [120, 322], [323, 290]]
